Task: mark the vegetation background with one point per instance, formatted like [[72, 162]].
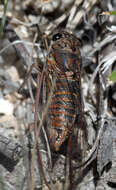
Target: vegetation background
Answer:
[[94, 23]]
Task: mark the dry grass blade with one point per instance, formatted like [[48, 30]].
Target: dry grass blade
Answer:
[[87, 5]]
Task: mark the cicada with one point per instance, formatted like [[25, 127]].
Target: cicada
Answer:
[[64, 64]]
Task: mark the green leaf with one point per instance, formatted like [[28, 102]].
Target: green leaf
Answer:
[[112, 77], [112, 12], [108, 13], [3, 17]]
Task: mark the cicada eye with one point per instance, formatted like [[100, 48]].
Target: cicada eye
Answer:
[[57, 36]]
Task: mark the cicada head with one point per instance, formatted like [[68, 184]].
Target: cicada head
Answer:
[[66, 42]]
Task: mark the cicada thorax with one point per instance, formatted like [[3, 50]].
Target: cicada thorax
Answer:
[[64, 63]]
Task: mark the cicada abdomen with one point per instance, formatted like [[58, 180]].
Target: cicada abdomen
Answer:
[[64, 63]]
